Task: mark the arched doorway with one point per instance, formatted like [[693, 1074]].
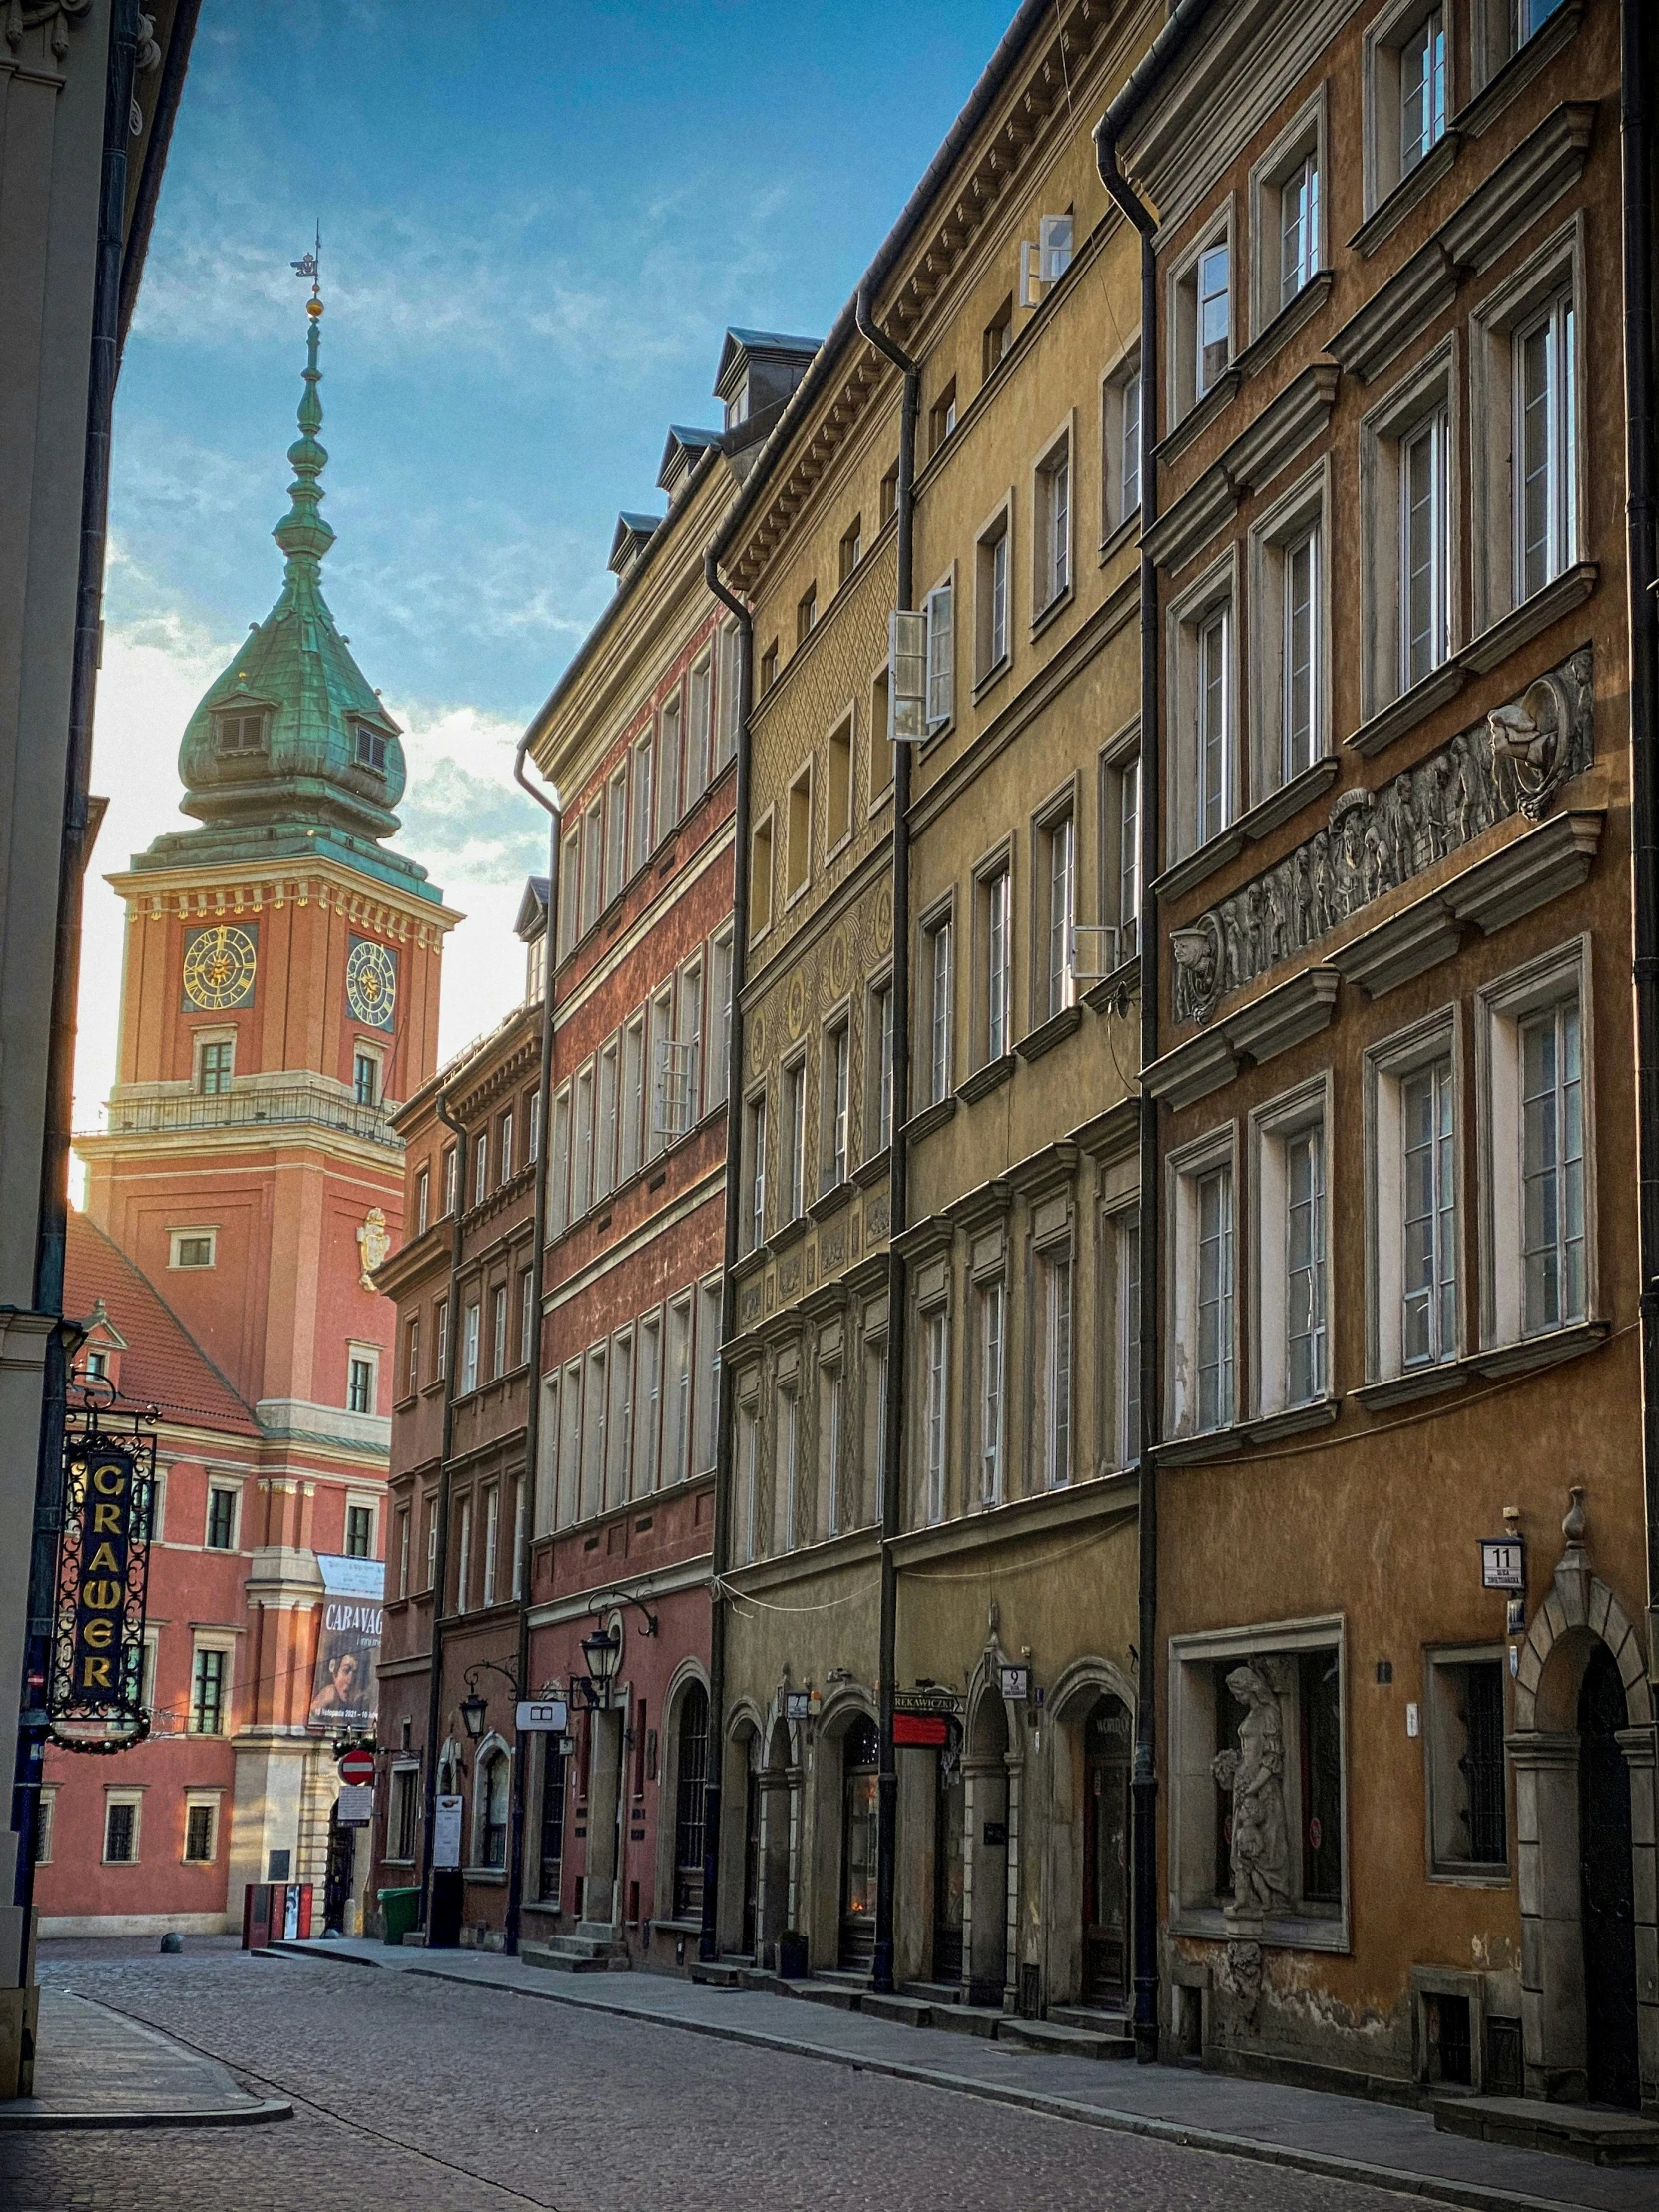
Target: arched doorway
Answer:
[[1607, 1887], [1106, 1757], [949, 1867], [690, 1773], [861, 1764], [985, 1767]]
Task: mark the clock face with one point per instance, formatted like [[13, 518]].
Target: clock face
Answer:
[[371, 983], [219, 968]]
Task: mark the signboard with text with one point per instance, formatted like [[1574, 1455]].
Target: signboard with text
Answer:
[[95, 1696]]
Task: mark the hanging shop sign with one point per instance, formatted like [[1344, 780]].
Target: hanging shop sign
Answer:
[[345, 1691], [95, 1696], [921, 1731], [542, 1716]]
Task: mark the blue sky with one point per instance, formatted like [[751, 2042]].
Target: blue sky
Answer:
[[538, 218]]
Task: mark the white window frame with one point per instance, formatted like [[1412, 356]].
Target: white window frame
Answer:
[[1121, 417], [1189, 384], [1425, 403], [1497, 322], [835, 1101], [755, 1169], [616, 832], [177, 1237], [1054, 890], [1296, 154], [620, 1471], [1388, 1067], [1120, 845], [939, 954], [1053, 508], [939, 613], [473, 1324], [1298, 523], [792, 1131], [994, 956], [878, 1063], [368, 1355], [1122, 1235], [1185, 1170], [1277, 1130], [1054, 1366], [990, 1302], [1189, 617], [1386, 40], [642, 787], [1501, 1008], [992, 604], [933, 1428]]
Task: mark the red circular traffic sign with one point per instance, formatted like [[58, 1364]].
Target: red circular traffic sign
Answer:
[[356, 1765]]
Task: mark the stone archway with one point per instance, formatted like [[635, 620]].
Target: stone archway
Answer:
[[1086, 1691], [740, 1832], [778, 1781], [987, 1906], [1581, 1619]]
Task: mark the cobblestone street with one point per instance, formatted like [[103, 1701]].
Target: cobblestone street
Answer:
[[422, 2094]]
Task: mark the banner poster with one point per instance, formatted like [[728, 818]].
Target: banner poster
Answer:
[[344, 1689]]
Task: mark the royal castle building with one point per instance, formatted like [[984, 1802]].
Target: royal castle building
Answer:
[[280, 997]]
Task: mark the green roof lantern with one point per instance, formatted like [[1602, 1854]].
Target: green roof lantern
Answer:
[[290, 752]]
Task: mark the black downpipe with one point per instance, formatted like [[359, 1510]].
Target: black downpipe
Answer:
[[53, 1219], [1144, 1781], [440, 1562], [1636, 144], [892, 1456], [532, 1411], [708, 1937]]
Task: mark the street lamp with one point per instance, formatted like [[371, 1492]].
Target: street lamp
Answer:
[[602, 1651], [474, 1713]]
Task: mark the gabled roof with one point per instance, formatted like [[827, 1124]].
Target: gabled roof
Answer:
[[532, 908], [631, 532], [682, 450], [162, 1364], [742, 346]]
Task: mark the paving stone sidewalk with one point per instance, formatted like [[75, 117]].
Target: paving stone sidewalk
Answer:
[[1387, 2145], [96, 2068]]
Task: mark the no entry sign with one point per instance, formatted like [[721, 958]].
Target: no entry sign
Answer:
[[357, 1767]]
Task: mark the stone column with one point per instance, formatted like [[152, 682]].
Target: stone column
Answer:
[[1552, 1937]]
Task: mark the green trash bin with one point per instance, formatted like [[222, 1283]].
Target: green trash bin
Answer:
[[399, 1913]]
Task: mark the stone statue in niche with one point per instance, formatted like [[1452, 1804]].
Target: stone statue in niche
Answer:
[[1254, 1777], [1376, 841]]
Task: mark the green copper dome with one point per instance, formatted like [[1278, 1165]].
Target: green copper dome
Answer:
[[290, 752]]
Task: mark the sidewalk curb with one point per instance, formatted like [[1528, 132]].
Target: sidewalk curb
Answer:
[[257, 2110], [1436, 2188]]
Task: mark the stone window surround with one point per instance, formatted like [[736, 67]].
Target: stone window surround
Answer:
[[939, 914], [1564, 971], [997, 525], [999, 863], [1181, 311], [1057, 449], [1432, 384], [1438, 1035], [1192, 1786], [1119, 757], [1304, 134], [1271, 1125], [933, 1299], [1215, 588], [1114, 381], [177, 1237], [1305, 504], [211, 1799], [1183, 1166], [1051, 1235], [797, 883], [492, 1746], [224, 1641], [987, 1271], [1058, 805], [1557, 265], [223, 1481], [1380, 81], [132, 1793]]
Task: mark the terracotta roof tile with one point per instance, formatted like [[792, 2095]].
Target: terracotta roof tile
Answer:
[[162, 1363]]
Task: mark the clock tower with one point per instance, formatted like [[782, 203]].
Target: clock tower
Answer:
[[279, 999]]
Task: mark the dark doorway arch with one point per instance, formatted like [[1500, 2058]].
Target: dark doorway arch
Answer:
[[949, 1867], [1107, 1740], [861, 1762], [692, 1767], [1609, 1885]]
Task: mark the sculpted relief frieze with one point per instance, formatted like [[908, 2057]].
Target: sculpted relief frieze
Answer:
[[1512, 762]]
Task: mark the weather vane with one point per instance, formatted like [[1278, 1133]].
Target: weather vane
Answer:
[[307, 264]]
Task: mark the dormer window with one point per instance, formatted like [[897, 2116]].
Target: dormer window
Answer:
[[371, 747], [242, 733]]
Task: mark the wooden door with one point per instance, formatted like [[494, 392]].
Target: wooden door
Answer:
[[1106, 1750]]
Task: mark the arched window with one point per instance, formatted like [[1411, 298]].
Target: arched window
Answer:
[[494, 1775], [687, 1824]]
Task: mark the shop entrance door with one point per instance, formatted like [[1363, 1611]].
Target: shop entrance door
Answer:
[[948, 1871], [860, 1761], [1106, 1751]]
